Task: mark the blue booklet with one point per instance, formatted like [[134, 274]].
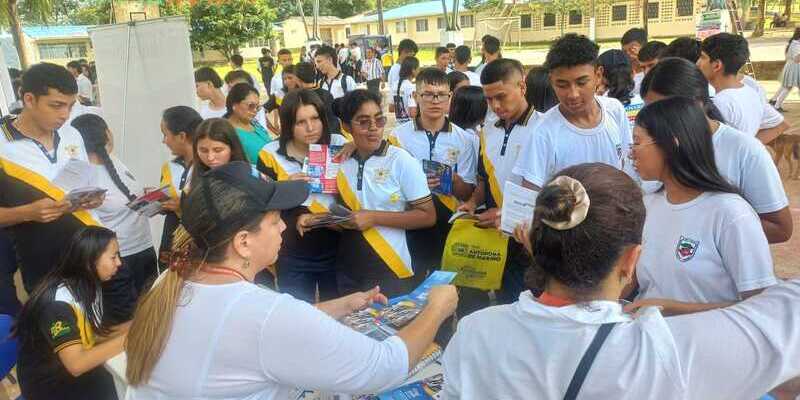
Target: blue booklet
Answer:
[[442, 171], [425, 389]]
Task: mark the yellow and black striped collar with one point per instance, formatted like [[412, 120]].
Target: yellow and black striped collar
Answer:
[[447, 127], [11, 133], [522, 121], [379, 152]]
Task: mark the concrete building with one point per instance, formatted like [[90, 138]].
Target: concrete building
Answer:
[[58, 44]]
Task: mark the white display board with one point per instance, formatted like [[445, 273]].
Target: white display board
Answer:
[[143, 67], [7, 96]]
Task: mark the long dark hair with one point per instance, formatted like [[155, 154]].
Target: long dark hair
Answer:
[[236, 95], [94, 131], [583, 256], [795, 36], [77, 271], [288, 115], [468, 107], [407, 68], [674, 76], [182, 119], [538, 90], [218, 130], [679, 128]]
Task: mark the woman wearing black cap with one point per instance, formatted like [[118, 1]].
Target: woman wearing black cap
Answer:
[[205, 331], [576, 340]]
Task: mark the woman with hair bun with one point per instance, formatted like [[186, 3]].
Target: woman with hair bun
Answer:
[[577, 341]]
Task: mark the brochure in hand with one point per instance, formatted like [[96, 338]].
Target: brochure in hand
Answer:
[[149, 204], [321, 168], [426, 389], [79, 196], [76, 178], [519, 204], [338, 215], [435, 169], [382, 321]]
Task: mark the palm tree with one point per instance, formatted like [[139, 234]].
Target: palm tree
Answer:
[[40, 10]]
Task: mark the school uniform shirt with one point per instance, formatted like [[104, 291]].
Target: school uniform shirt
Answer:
[[132, 228], [501, 150], [394, 75], [479, 69], [276, 85], [389, 180], [637, 83], [474, 79], [744, 162], [207, 112], [254, 140], [62, 323], [528, 350], [744, 109], [85, 87], [749, 81], [79, 109], [559, 144], [339, 85], [26, 173], [274, 162], [264, 345], [406, 92], [707, 250]]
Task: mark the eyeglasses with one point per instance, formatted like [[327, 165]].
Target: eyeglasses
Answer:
[[251, 106], [366, 123], [435, 97]]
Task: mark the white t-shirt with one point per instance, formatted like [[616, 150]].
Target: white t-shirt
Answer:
[[746, 163], [335, 88], [632, 109], [132, 229], [474, 79], [239, 341], [344, 52], [479, 69], [394, 75], [79, 109], [207, 112], [528, 350], [749, 81], [85, 87], [559, 144], [707, 250], [356, 53], [744, 109], [407, 90], [276, 85], [637, 83]]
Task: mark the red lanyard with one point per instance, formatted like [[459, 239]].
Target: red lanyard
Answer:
[[554, 301], [225, 271]]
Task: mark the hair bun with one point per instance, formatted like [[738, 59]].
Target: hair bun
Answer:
[[563, 204]]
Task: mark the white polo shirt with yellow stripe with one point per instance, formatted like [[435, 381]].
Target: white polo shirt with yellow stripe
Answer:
[[278, 165], [500, 150], [449, 145], [389, 180], [27, 169]]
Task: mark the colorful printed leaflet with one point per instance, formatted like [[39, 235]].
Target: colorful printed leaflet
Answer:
[[321, 168], [435, 169]]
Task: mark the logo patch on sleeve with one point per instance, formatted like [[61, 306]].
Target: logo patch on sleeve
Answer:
[[59, 329]]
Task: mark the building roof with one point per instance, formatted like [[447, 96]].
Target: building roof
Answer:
[[56, 31], [423, 9], [322, 20]]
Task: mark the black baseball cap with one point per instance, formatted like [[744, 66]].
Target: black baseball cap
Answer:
[[229, 197]]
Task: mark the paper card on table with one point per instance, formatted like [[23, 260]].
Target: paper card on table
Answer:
[[518, 206]]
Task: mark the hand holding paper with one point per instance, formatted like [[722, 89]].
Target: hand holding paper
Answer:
[[518, 206]]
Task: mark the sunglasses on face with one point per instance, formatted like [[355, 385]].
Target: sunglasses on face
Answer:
[[251, 106], [366, 123]]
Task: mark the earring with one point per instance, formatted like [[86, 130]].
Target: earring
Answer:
[[246, 264]]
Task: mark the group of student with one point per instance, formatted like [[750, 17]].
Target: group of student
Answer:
[[651, 192]]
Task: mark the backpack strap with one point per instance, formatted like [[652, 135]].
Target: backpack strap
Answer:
[[587, 360]]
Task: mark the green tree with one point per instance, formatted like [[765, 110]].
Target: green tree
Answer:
[[226, 25], [11, 16]]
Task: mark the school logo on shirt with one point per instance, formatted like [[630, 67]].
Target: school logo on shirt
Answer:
[[72, 151], [452, 155], [381, 174], [59, 329], [686, 249]]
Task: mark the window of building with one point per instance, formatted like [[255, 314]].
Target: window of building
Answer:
[[347, 31], [61, 50], [549, 19], [685, 8], [400, 26], [439, 23], [619, 13], [575, 17], [466, 21], [652, 10], [422, 25], [525, 21]]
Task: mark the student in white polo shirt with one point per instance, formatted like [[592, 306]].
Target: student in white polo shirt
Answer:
[[406, 48], [388, 192], [583, 127], [333, 80], [307, 260], [431, 136], [34, 147], [208, 86], [501, 147], [463, 57], [741, 159], [587, 237], [704, 247], [178, 126], [401, 96], [721, 58], [276, 84], [85, 90]]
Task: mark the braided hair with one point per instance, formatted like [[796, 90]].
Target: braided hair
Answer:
[[94, 131]]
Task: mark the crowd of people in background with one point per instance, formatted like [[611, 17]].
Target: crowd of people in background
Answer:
[[656, 205]]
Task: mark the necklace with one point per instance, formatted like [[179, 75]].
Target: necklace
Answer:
[[225, 271]]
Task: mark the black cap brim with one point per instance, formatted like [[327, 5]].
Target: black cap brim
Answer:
[[269, 195], [287, 195]]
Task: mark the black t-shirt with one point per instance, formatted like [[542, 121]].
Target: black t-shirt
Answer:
[[267, 64], [327, 101], [41, 373]]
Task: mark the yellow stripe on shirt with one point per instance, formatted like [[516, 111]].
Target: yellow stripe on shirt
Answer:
[[269, 161], [494, 186], [41, 183], [384, 250]]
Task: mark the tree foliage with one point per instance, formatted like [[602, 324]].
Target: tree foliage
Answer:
[[226, 25]]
